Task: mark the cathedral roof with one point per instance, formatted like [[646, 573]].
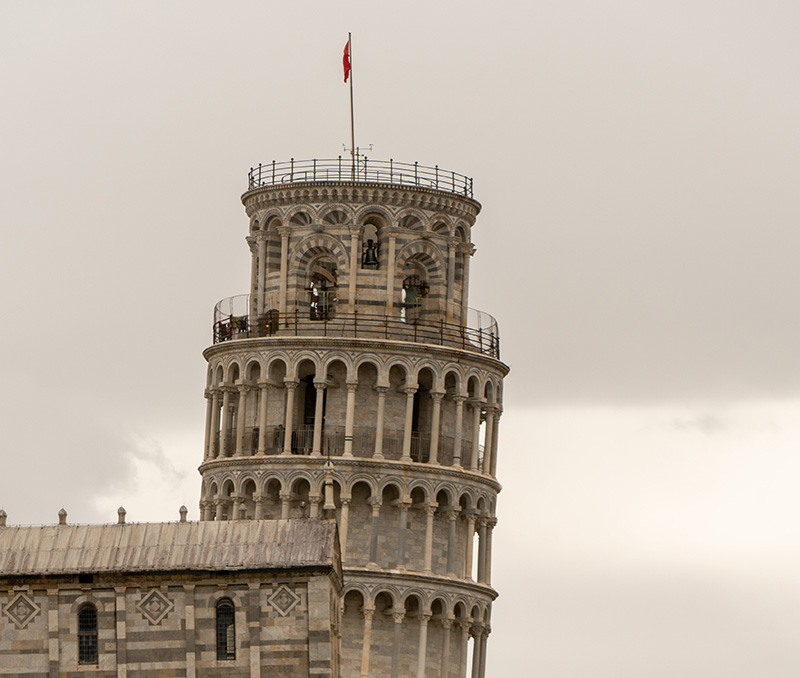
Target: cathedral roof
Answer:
[[158, 547]]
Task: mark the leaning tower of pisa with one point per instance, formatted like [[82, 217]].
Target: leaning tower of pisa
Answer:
[[355, 383]]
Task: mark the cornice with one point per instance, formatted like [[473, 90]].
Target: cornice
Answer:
[[394, 346], [362, 193]]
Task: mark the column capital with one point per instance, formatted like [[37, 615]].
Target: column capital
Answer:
[[291, 384], [447, 622], [459, 398], [356, 230], [285, 230], [411, 390], [424, 616], [398, 617], [320, 385], [351, 386], [477, 403], [452, 514], [467, 248], [437, 395], [244, 388], [430, 510], [382, 390]]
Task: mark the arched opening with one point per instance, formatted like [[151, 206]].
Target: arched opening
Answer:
[[389, 537], [226, 630], [272, 500], [415, 288], [421, 418], [248, 500], [87, 634], [322, 287], [299, 500], [306, 399]]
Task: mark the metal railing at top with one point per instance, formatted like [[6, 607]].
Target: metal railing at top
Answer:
[[426, 329], [364, 171]]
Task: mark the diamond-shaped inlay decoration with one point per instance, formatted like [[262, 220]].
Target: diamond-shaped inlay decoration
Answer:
[[155, 606], [283, 600], [21, 610]]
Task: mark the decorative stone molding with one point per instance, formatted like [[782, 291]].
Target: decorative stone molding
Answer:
[[21, 610], [283, 600], [155, 606]]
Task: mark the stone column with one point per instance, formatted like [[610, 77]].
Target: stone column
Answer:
[[484, 639], [316, 447], [481, 550], [209, 417], [366, 642], [447, 624], [355, 233], [422, 646], [262, 273], [410, 391], [373, 539], [219, 507], [284, 231], [262, 417], [488, 567], [291, 387], [470, 545], [314, 499], [465, 626], [253, 246], [398, 639], [487, 445], [285, 499], [214, 445], [451, 276], [207, 508], [476, 433], [379, 423], [468, 250], [476, 650], [241, 414], [390, 273], [401, 534], [459, 426], [452, 516], [238, 504], [433, 456], [259, 502], [225, 443], [493, 470], [350, 414], [430, 512], [343, 525]]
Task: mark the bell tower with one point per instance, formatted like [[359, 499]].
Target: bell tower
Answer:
[[354, 383]]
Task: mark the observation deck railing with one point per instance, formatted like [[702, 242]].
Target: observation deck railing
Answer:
[[481, 335], [365, 171]]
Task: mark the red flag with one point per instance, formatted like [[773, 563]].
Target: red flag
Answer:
[[346, 60]]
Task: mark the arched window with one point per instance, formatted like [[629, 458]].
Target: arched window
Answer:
[[226, 630], [87, 634], [322, 289]]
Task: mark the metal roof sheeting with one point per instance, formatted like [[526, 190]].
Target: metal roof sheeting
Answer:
[[154, 547]]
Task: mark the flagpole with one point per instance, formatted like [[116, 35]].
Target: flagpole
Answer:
[[352, 124]]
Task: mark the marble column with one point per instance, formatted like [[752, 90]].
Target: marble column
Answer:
[[262, 417], [291, 387], [468, 250], [282, 307], [481, 550], [355, 251], [241, 414], [447, 624], [452, 516], [493, 470], [366, 642], [316, 447], [350, 413], [476, 434], [344, 522], [430, 512], [487, 444], [209, 418], [422, 645], [285, 503], [225, 443], [410, 391], [476, 650], [488, 555], [373, 539], [379, 421], [398, 639], [433, 456], [459, 426], [390, 273], [470, 545], [402, 530]]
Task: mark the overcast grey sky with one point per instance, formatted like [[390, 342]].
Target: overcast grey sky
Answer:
[[638, 164]]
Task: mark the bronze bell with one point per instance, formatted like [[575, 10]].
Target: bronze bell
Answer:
[[371, 254]]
